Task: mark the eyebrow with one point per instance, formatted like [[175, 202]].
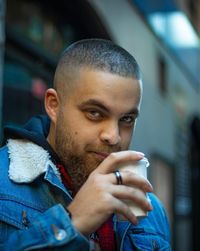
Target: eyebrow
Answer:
[[102, 106]]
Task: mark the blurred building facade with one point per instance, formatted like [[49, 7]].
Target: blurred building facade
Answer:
[[192, 9], [167, 131]]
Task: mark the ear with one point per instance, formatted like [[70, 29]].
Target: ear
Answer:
[[51, 103]]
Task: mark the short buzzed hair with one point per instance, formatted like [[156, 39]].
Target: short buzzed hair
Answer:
[[97, 54]]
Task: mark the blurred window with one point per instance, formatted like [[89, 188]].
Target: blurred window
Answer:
[[175, 31], [28, 20], [36, 33]]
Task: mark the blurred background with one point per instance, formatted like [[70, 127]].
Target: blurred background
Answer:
[[164, 38]]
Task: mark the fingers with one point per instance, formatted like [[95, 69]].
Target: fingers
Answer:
[[132, 179], [115, 159], [133, 188], [123, 209], [132, 194], [109, 198]]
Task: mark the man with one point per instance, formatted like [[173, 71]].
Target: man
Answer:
[[59, 185]]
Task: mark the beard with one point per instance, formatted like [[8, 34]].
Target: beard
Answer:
[[79, 162], [74, 164]]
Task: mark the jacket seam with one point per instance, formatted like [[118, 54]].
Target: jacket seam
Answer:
[[21, 202], [8, 219]]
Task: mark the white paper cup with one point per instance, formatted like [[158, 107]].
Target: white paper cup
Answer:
[[140, 168]]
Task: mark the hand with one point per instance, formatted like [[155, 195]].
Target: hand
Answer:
[[100, 196]]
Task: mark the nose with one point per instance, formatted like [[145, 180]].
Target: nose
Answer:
[[110, 134]]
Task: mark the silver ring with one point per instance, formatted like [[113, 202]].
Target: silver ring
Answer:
[[118, 177]]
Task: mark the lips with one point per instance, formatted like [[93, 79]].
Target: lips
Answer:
[[101, 155]]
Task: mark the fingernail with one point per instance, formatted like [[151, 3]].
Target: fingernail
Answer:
[[148, 188], [134, 220], [140, 154], [150, 207]]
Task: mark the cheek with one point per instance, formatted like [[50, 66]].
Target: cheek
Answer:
[[82, 136], [126, 137], [85, 135]]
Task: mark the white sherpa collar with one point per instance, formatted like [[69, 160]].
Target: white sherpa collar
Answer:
[[27, 161]]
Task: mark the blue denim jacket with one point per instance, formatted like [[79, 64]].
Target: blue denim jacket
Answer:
[[33, 217]]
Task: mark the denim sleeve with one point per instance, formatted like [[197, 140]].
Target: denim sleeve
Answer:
[[52, 230], [152, 233]]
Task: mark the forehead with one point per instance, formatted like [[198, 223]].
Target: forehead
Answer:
[[112, 90]]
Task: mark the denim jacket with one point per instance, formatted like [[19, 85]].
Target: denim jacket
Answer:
[[33, 201]]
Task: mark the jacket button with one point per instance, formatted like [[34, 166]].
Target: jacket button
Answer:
[[59, 233]]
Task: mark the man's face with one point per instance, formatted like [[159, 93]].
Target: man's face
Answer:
[[97, 118]]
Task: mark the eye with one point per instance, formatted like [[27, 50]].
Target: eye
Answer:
[[94, 115], [128, 120]]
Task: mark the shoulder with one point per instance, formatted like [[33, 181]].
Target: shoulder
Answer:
[[4, 165], [3, 155], [157, 219], [14, 197], [23, 192], [152, 232], [158, 207]]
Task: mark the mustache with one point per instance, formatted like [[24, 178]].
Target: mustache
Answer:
[[105, 149]]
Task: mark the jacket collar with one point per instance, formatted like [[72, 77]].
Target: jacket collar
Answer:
[[28, 161]]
